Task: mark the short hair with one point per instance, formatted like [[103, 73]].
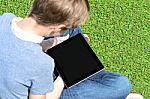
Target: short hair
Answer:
[[68, 12]]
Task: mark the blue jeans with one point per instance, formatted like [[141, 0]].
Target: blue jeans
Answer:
[[103, 85]]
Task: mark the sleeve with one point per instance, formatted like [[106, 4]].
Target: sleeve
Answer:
[[42, 83]]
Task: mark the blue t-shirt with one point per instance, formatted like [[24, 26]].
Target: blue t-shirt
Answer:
[[23, 65]]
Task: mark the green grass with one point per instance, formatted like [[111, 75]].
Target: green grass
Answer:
[[120, 36], [120, 33]]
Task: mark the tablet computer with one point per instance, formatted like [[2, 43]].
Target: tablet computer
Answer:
[[75, 61]]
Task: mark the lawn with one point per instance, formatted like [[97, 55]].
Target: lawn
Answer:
[[120, 36]]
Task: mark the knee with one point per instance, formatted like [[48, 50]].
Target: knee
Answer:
[[123, 84], [73, 31]]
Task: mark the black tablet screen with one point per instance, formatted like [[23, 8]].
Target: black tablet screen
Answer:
[[75, 60]]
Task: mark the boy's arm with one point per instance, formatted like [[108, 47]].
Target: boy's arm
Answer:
[[58, 88], [37, 96], [55, 94]]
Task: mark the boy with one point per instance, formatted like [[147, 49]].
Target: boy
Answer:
[[25, 70]]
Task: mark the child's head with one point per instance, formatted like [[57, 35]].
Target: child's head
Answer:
[[71, 13]]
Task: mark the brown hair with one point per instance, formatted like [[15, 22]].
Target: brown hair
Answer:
[[69, 12]]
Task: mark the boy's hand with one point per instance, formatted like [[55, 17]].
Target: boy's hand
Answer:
[[87, 38]]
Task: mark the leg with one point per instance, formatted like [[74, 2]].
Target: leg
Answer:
[[73, 31], [103, 85]]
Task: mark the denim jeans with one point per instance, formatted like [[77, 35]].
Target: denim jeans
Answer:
[[103, 85]]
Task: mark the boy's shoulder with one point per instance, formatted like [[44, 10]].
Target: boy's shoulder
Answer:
[[7, 14], [6, 17]]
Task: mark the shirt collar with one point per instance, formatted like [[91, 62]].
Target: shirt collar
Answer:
[[27, 36]]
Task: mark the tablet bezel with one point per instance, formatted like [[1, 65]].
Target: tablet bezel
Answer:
[[69, 84]]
